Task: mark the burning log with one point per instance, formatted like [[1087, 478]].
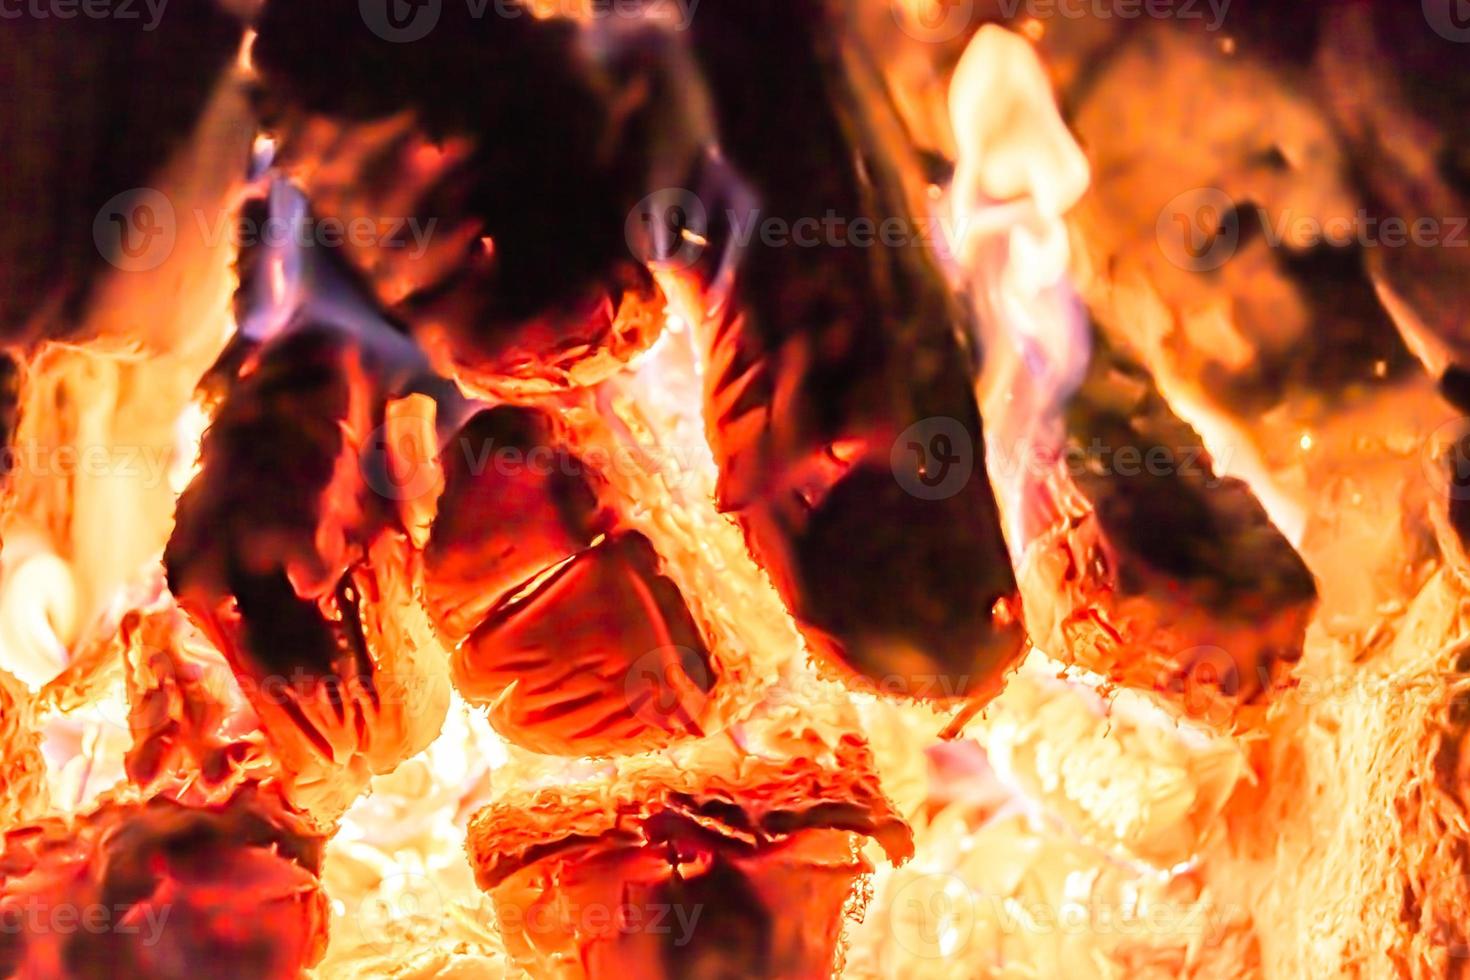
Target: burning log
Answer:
[[1144, 566], [561, 623], [679, 874], [160, 889], [522, 277], [283, 554], [839, 396], [1136, 559]]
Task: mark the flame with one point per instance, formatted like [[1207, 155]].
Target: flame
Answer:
[[1019, 172], [38, 615]]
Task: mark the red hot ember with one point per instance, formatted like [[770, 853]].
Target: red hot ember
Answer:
[[558, 619]]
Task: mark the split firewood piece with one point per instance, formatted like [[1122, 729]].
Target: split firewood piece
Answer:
[[562, 624], [294, 564], [840, 404], [152, 889], [1143, 565], [674, 873], [499, 217]]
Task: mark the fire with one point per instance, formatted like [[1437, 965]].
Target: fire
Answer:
[[392, 618]]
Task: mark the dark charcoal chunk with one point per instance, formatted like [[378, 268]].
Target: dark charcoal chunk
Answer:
[[736, 943], [266, 462], [1396, 91]]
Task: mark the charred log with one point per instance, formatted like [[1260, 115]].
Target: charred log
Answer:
[[1145, 566], [525, 277], [601, 656], [281, 551], [1408, 139], [839, 392], [514, 505]]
